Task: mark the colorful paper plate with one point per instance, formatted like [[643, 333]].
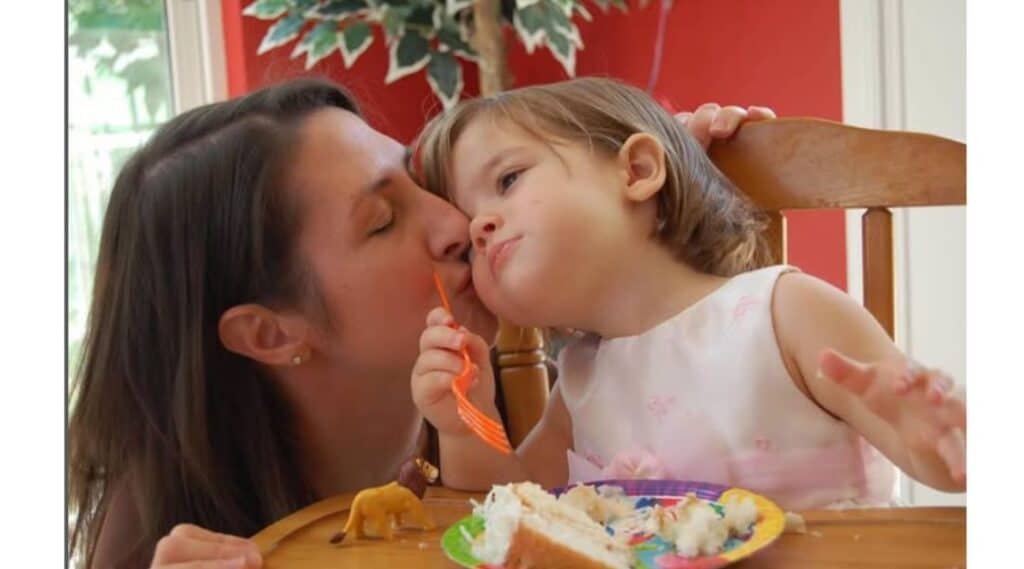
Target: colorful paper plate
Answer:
[[654, 553]]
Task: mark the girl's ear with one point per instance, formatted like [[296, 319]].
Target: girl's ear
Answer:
[[642, 157], [263, 335]]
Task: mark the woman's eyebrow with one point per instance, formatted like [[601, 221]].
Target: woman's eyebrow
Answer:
[[386, 177], [374, 186]]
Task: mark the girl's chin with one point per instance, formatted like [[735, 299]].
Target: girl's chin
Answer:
[[518, 313], [485, 326], [511, 299], [477, 317]]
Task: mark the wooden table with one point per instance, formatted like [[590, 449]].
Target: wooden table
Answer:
[[852, 539]]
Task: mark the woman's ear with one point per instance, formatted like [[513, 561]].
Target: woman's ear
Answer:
[[263, 335], [642, 157]]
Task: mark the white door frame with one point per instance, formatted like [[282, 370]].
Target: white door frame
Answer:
[[877, 63], [873, 97], [195, 33]]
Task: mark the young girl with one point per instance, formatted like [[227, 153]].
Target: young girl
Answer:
[[593, 210]]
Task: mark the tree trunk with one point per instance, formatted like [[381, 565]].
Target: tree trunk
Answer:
[[489, 41], [521, 372]]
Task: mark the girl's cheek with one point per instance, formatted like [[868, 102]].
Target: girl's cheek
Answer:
[[482, 282]]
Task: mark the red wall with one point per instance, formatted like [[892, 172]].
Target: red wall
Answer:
[[779, 53]]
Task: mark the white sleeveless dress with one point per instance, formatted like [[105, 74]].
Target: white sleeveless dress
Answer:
[[705, 396]]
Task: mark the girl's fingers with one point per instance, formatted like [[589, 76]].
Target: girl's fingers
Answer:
[[439, 317], [854, 376], [432, 387], [442, 337], [939, 388], [437, 361], [954, 412], [952, 447], [906, 377], [683, 118], [479, 351], [910, 378]]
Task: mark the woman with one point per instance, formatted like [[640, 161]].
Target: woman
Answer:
[[263, 277]]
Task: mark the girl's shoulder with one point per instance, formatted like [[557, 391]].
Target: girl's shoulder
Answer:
[[797, 291], [767, 274], [810, 314]]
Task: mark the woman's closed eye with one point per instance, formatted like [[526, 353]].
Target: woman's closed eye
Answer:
[[383, 224]]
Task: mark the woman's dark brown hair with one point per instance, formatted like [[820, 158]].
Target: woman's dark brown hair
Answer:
[[199, 220]]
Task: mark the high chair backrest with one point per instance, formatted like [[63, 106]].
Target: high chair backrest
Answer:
[[788, 164]]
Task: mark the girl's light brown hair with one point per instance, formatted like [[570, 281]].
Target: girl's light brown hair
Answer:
[[702, 217]]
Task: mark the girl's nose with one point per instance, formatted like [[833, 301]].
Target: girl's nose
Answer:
[[482, 228]]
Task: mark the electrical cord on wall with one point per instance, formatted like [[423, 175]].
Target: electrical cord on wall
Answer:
[[659, 45]]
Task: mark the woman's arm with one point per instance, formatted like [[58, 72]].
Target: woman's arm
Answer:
[[120, 543]]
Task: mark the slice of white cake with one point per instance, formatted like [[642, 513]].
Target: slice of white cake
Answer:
[[528, 528]]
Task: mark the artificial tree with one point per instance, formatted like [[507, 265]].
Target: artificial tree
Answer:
[[429, 35]]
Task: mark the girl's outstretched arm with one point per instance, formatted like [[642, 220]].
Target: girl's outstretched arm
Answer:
[[843, 360]]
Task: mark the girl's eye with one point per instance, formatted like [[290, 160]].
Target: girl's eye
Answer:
[[506, 180]]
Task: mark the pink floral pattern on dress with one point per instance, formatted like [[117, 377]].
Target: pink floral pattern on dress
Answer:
[[745, 304], [635, 463], [659, 406], [593, 459]]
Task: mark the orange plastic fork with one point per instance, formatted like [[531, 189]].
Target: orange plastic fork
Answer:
[[489, 430]]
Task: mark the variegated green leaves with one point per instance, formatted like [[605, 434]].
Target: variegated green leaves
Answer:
[[342, 25], [549, 22], [267, 9], [420, 35], [428, 34]]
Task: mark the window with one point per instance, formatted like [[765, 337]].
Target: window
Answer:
[[132, 64], [119, 91]]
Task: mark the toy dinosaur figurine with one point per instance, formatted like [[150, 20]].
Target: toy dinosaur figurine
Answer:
[[381, 507]]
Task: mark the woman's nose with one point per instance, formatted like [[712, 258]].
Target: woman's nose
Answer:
[[447, 229], [482, 228]]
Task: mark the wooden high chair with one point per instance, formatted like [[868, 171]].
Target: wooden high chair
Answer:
[[787, 164]]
